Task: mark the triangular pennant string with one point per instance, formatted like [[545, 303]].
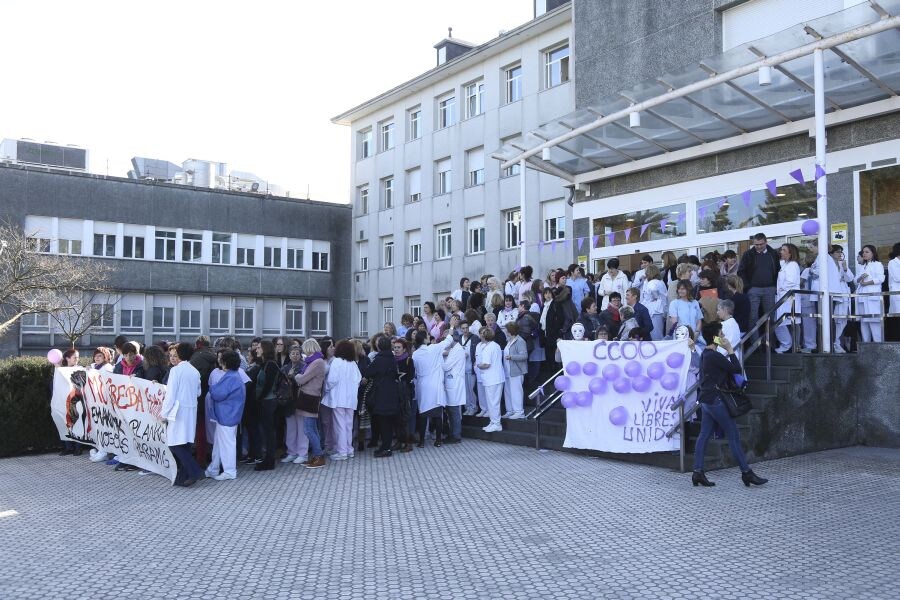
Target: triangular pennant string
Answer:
[[772, 187], [745, 196], [798, 175], [820, 172], [627, 235]]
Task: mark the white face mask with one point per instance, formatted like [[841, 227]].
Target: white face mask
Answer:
[[578, 332], [681, 333]]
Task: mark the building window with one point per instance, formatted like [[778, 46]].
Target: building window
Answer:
[[218, 320], [556, 66], [475, 167], [165, 245], [293, 318], [444, 176], [474, 93], [387, 311], [104, 244], [664, 222], [191, 247], [790, 203], [511, 170], [74, 247], [189, 321], [415, 124], [221, 248], [414, 185], [363, 330], [513, 226], [102, 316], [131, 321], [475, 235], [363, 200], [295, 258], [514, 84], [414, 305], [444, 246], [387, 254], [318, 321], [365, 143], [163, 319], [387, 136], [38, 244], [554, 228], [133, 247], [320, 261], [246, 256], [243, 319], [363, 256], [446, 112], [387, 192], [414, 242], [272, 256]]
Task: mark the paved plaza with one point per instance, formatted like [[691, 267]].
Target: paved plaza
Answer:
[[477, 520]]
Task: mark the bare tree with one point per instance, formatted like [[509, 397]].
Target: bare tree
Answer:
[[78, 310], [32, 281]]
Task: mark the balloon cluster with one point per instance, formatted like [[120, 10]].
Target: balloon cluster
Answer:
[[621, 379]]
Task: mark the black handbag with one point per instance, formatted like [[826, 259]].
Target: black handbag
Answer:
[[368, 395], [735, 400], [308, 403]]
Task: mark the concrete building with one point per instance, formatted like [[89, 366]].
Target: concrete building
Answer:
[[191, 260], [429, 204]]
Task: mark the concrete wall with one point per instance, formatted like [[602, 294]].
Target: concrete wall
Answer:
[[877, 388]]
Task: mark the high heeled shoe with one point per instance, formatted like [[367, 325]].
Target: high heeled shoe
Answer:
[[752, 478], [699, 478]]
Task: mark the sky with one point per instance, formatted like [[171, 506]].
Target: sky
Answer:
[[252, 84]]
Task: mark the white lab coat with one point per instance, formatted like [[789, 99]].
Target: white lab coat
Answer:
[[837, 280], [639, 277], [342, 384], [870, 305], [654, 296], [788, 279], [490, 353], [732, 332], [429, 364], [455, 375], [179, 409], [894, 283], [609, 285]]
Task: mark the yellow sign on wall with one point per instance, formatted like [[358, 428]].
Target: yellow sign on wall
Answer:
[[839, 234]]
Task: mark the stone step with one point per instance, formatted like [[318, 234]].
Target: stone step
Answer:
[[779, 372], [761, 386], [785, 360]]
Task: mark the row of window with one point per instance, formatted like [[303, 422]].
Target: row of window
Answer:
[[555, 72], [413, 307], [554, 229], [117, 240], [184, 315]]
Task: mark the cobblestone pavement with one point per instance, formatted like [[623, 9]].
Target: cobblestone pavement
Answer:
[[477, 520]]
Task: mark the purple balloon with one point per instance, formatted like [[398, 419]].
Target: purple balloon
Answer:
[[598, 385], [584, 398], [641, 383], [675, 360], [810, 227], [618, 416], [669, 381], [632, 368], [589, 369], [573, 368], [562, 383], [656, 370], [622, 385], [611, 372], [569, 400]]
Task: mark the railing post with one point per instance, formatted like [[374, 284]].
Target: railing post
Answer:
[[683, 443], [537, 435], [768, 349]]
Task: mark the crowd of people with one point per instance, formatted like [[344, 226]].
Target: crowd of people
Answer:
[[481, 348]]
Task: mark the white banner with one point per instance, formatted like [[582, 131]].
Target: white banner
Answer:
[[114, 413], [619, 395]]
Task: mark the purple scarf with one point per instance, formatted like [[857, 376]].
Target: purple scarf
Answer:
[[309, 360], [402, 357]]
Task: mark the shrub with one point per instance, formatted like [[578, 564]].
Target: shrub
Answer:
[[25, 421]]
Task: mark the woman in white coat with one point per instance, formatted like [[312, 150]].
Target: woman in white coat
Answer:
[[654, 296], [489, 363], [869, 278], [894, 279], [613, 280], [788, 279], [455, 359], [429, 364], [179, 412], [340, 395], [839, 275]]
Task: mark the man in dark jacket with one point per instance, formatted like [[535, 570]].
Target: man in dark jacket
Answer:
[[759, 268], [640, 311], [530, 331], [204, 360]]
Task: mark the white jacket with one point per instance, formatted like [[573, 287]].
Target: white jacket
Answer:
[[894, 283], [788, 279], [179, 409], [341, 384], [871, 305], [608, 285], [491, 354], [455, 375]]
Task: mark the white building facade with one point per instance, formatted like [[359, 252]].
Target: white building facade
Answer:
[[430, 205]]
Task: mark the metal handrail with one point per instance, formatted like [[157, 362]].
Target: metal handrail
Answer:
[[539, 390], [542, 405]]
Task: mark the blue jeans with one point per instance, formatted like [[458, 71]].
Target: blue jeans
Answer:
[[311, 426], [455, 421], [712, 414]]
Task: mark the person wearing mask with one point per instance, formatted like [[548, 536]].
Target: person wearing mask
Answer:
[[311, 382], [455, 358], [578, 285], [758, 269], [489, 362], [179, 412], [641, 313], [515, 362], [869, 278], [610, 318], [613, 280], [227, 394], [788, 280], [641, 274], [341, 387], [684, 310], [468, 341], [715, 370], [654, 297], [385, 394], [294, 431]]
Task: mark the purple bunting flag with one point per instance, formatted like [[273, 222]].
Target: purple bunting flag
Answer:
[[773, 189], [580, 243], [745, 196], [552, 245], [594, 241], [644, 228], [798, 175], [611, 237], [819, 196], [627, 235], [820, 172], [663, 224]]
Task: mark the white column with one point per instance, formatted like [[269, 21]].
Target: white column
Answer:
[[522, 238], [822, 203]]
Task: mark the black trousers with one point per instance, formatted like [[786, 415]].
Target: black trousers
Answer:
[[385, 430], [437, 417], [266, 416], [250, 430]]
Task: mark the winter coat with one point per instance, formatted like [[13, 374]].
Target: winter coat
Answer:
[[385, 394]]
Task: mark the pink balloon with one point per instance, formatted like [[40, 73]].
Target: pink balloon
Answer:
[[573, 368], [641, 383], [622, 385], [611, 372], [598, 386], [669, 381], [675, 360], [632, 368], [584, 398], [562, 383], [589, 369], [618, 416], [54, 356], [569, 400], [656, 370]]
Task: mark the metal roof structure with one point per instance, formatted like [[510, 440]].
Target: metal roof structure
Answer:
[[751, 88]]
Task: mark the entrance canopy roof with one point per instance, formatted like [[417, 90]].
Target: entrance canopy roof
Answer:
[[725, 96]]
